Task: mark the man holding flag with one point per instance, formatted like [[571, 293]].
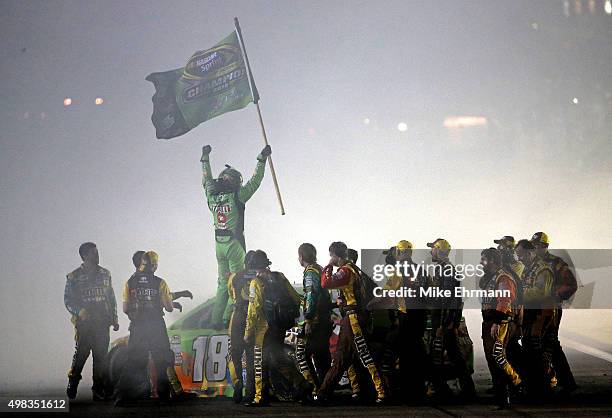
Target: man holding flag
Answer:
[[226, 198], [215, 81]]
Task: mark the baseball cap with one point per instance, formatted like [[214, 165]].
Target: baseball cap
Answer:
[[506, 241], [404, 245], [439, 243], [539, 238]]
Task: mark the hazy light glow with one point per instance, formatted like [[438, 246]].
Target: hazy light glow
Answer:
[[575, 100], [608, 7], [402, 127], [67, 101], [366, 121], [454, 122], [99, 100]]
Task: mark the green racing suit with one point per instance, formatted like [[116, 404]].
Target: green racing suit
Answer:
[[227, 208]]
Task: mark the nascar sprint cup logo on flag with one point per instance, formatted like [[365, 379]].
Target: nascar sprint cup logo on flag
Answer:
[[215, 71], [213, 82]]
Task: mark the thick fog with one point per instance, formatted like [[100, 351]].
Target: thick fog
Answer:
[[336, 81]]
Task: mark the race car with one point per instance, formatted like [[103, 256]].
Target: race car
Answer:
[[201, 354]]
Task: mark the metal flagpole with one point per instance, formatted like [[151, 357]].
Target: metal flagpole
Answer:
[[255, 95]]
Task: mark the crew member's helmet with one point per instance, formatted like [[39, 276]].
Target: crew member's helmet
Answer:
[[259, 260], [248, 259]]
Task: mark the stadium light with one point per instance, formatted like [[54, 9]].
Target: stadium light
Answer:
[[453, 122]]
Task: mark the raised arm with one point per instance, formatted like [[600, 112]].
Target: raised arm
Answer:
[[340, 278], [251, 186], [207, 179]]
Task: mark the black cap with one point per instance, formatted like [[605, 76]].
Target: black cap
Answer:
[[439, 243], [506, 241], [540, 238]]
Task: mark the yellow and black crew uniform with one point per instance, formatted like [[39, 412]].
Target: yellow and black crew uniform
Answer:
[[238, 287], [538, 319], [268, 337], [144, 297]]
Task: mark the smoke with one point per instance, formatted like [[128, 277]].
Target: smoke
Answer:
[[91, 172]]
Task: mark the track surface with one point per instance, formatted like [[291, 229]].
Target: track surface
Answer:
[[593, 398]]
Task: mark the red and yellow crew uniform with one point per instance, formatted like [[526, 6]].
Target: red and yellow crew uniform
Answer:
[[352, 342], [498, 310]]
